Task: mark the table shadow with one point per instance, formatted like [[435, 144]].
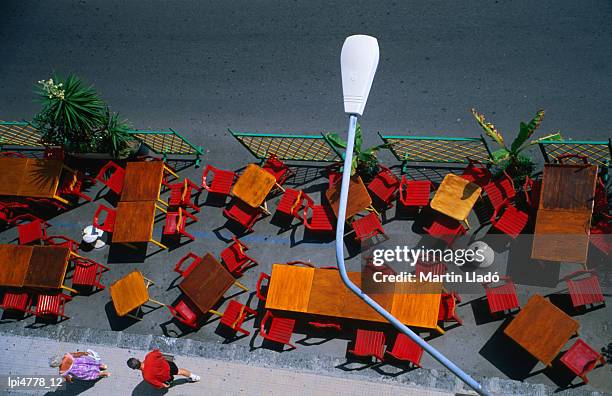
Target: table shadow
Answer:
[[117, 323]]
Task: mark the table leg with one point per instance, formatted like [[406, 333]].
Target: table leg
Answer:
[[212, 311], [62, 200], [157, 302], [372, 209], [465, 223], [133, 317], [439, 330], [279, 186], [149, 281], [240, 285], [76, 255], [161, 245], [70, 289], [167, 169], [264, 207], [160, 208], [161, 201]]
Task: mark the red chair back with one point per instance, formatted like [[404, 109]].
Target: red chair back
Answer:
[[184, 314], [280, 329], [369, 343], [51, 305], [290, 203], [243, 214], [235, 258], [221, 182], [16, 301], [477, 172], [448, 303], [445, 228], [500, 190], [235, 314], [406, 350], [414, 192], [367, 227], [34, 231], [277, 168], [195, 260], [585, 290], [581, 358], [112, 176], [501, 297], [109, 220], [384, 185], [88, 273], [511, 222], [262, 276]]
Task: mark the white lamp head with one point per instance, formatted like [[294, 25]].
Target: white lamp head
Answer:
[[358, 61]]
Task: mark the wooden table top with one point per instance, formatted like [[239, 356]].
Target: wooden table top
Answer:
[[129, 293], [321, 292], [207, 283], [455, 197], [254, 185], [358, 197], [14, 262], [568, 187], [134, 222], [47, 269], [542, 329], [29, 177], [142, 181]]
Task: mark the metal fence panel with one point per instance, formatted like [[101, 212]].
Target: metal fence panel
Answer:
[[19, 134], [598, 152]]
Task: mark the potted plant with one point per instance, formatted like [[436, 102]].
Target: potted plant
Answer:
[[513, 159], [365, 162], [75, 118]]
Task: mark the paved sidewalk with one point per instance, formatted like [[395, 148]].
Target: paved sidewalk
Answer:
[[31, 356]]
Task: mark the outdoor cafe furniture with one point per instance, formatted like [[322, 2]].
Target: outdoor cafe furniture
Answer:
[[88, 272], [130, 293], [143, 180], [326, 324], [320, 292], [511, 222], [206, 283], [181, 193], [290, 203], [445, 229], [477, 173], [501, 297], [542, 329], [9, 213], [235, 259], [60, 240], [184, 314], [32, 232], [278, 169], [406, 350], [30, 177], [414, 193], [112, 176], [134, 223], [600, 201], [601, 234], [51, 305], [384, 186], [193, 260], [110, 215], [253, 186], [358, 197], [448, 308], [500, 191], [584, 289], [235, 314], [532, 189], [369, 343], [176, 223], [36, 267], [17, 301], [243, 214], [221, 182], [72, 185], [317, 217], [455, 198], [367, 227], [564, 214], [581, 359], [276, 328]]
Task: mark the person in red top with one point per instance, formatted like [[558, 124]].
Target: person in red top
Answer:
[[158, 371]]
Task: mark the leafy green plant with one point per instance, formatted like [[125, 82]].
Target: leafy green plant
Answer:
[[513, 158], [365, 162]]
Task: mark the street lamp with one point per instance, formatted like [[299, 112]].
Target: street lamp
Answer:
[[358, 61]]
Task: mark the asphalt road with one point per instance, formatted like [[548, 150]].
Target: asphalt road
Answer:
[[203, 66]]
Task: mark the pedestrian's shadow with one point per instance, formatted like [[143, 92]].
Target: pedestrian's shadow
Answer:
[[145, 389]]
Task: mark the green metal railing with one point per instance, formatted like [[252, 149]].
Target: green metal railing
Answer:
[[313, 148], [168, 142], [19, 134], [597, 152]]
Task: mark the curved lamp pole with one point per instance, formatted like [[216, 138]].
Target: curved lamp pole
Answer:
[[358, 60]]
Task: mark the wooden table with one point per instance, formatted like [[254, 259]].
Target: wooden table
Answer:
[[358, 197], [564, 214], [253, 186], [40, 267], [321, 292], [130, 293], [206, 284], [455, 197], [542, 329], [31, 177], [143, 181], [134, 222]]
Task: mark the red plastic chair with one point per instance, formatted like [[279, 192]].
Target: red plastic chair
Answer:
[[584, 290], [600, 201], [500, 190], [12, 154], [262, 276], [242, 214], [184, 314], [194, 261], [502, 297], [414, 192], [384, 185], [369, 343], [321, 220], [333, 177], [279, 330], [278, 169], [17, 301], [448, 303], [112, 176], [532, 188], [32, 232], [109, 220], [511, 222], [88, 273], [221, 182], [601, 234], [60, 240], [367, 227], [290, 203], [176, 222], [235, 314], [9, 215], [406, 350], [582, 359], [180, 194], [73, 186], [476, 172], [51, 305], [326, 324], [235, 258], [446, 229]]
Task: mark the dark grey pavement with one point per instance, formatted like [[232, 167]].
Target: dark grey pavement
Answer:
[[201, 67]]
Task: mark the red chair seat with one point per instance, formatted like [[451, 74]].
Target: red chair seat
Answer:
[[499, 191], [114, 181], [407, 350], [222, 180], [243, 214], [176, 223], [445, 228], [414, 192], [51, 304], [585, 291], [502, 297], [581, 359], [16, 301], [367, 227], [88, 273], [184, 314], [512, 221], [34, 231], [235, 258], [235, 314], [321, 220], [280, 330], [277, 168], [384, 185], [290, 202], [369, 343], [477, 173]]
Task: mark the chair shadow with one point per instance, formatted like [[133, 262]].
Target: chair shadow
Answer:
[[267, 344], [229, 335], [563, 301], [214, 200], [399, 366]]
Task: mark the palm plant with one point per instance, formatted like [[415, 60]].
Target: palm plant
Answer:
[[365, 162]]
